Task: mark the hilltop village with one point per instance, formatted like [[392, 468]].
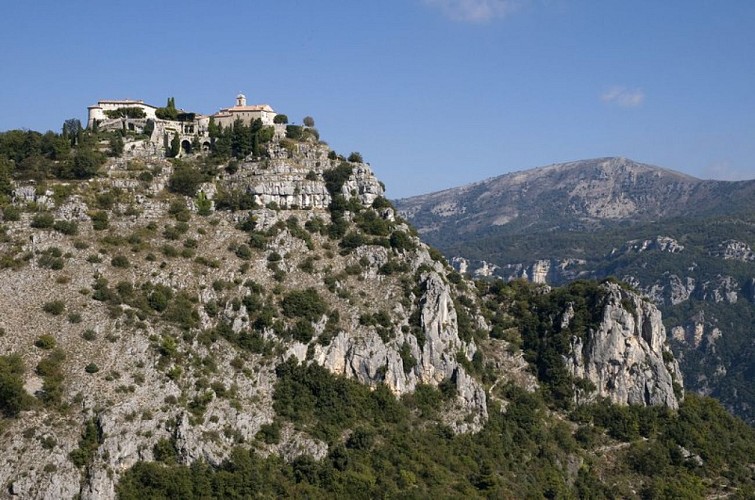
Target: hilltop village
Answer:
[[165, 125]]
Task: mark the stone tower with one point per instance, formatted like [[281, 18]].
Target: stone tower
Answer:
[[240, 100]]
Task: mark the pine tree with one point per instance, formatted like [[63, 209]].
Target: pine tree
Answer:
[[175, 145]]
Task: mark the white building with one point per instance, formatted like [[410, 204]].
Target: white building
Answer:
[[97, 112]]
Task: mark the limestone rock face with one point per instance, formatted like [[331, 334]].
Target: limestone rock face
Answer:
[[623, 358], [735, 250], [364, 184], [680, 290], [660, 243], [297, 182], [539, 271], [478, 269], [366, 357]]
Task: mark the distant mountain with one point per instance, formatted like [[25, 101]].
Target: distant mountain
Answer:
[[685, 242], [585, 194]]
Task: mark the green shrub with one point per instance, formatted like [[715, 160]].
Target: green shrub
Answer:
[[243, 252], [107, 200], [258, 240], [307, 265], [159, 299], [381, 202], [401, 241], [173, 232], [335, 178], [11, 213], [294, 132], [302, 331], [182, 311], [270, 433], [126, 112], [204, 205], [120, 261], [165, 451], [352, 240], [371, 223], [86, 162], [306, 304], [13, 397], [51, 259], [407, 359], [169, 251], [91, 438], [91, 368], [54, 307], [100, 220], [50, 369], [43, 220], [355, 157], [69, 228], [185, 180]]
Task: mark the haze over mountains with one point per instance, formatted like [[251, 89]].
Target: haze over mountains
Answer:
[[685, 242]]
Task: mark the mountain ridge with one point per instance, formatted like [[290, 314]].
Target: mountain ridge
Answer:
[[584, 193], [551, 166]]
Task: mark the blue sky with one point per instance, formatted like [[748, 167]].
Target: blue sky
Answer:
[[433, 93]]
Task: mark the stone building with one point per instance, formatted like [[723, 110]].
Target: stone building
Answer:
[[246, 113]]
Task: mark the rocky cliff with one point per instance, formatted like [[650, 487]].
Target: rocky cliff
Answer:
[[626, 357]]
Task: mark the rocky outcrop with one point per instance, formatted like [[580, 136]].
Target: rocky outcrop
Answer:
[[626, 357], [369, 359], [543, 271], [660, 243], [735, 250], [539, 271], [679, 290], [697, 332], [363, 184], [293, 180], [478, 269]]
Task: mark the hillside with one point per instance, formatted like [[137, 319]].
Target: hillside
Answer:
[[684, 242], [258, 321]]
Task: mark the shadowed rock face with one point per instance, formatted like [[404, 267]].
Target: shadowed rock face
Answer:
[[623, 358]]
